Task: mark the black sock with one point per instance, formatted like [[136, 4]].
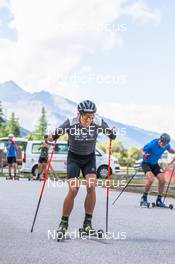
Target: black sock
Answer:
[[145, 194], [88, 218], [65, 219], [159, 197]]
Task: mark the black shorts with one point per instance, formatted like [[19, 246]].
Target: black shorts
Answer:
[[155, 169], [42, 160], [84, 163], [11, 160]]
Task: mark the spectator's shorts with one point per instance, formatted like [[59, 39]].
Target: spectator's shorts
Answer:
[[11, 160]]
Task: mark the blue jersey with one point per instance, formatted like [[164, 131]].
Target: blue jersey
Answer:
[[155, 150], [12, 151]]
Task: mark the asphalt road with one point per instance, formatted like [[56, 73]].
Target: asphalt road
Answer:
[[140, 235]]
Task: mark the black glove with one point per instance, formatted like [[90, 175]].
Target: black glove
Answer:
[[112, 136], [55, 136]]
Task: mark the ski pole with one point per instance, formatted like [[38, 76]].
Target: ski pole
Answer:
[[124, 188], [108, 186], [42, 190], [169, 183]]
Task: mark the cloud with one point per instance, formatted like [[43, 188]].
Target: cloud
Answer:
[[140, 12], [150, 117], [4, 3], [53, 36], [47, 47]]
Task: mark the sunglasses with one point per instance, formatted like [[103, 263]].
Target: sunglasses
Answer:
[[163, 143], [87, 117]]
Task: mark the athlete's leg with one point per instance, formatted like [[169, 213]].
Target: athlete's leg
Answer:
[[14, 165], [10, 169], [69, 200], [90, 200], [150, 177], [40, 170], [161, 183]]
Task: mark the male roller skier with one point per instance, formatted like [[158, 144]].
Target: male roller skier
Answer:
[[82, 135], [152, 152]]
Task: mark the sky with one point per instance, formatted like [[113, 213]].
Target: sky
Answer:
[[118, 53]]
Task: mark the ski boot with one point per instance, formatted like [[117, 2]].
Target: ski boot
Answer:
[[61, 232], [159, 203], [88, 231], [144, 202]]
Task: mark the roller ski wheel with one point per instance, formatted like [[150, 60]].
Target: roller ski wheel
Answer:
[[171, 206], [153, 205], [100, 233]]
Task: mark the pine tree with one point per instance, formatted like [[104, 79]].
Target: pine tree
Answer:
[[13, 125], [2, 118], [42, 126], [3, 131]]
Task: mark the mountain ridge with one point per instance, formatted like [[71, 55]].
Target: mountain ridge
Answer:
[[28, 108]]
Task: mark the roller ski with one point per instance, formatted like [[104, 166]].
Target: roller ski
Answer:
[[161, 204], [62, 230], [144, 202]]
